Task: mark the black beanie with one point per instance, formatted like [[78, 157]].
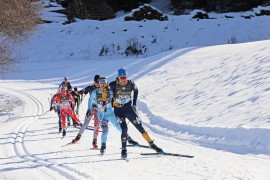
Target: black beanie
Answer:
[[96, 78]]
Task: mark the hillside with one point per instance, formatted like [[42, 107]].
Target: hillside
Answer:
[[207, 98]]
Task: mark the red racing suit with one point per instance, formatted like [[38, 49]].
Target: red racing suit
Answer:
[[64, 103]]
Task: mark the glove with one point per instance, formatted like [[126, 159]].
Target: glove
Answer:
[[104, 108], [51, 108], [88, 113]]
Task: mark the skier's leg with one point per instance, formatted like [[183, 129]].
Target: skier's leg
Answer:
[[120, 116], [105, 130], [59, 123], [96, 128], [86, 122], [119, 123], [63, 117], [73, 115], [132, 116], [59, 117], [78, 105], [83, 127], [68, 120], [136, 121], [124, 129]]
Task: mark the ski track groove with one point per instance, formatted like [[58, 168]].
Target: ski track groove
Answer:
[[18, 144]]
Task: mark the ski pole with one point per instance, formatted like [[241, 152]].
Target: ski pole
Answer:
[[49, 102]]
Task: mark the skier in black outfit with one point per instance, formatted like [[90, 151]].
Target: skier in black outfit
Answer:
[[125, 107], [77, 100], [65, 84], [90, 112]]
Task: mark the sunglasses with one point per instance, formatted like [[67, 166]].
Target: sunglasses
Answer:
[[123, 77], [102, 85]]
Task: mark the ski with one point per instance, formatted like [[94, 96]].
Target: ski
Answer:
[[94, 148], [88, 127], [168, 154], [138, 145], [70, 143]]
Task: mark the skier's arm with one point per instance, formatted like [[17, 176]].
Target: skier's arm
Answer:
[[81, 92], [61, 85], [55, 98], [112, 86], [52, 100], [92, 99], [135, 93], [85, 90]]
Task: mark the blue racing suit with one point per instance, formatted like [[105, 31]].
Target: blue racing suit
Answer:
[[105, 110]]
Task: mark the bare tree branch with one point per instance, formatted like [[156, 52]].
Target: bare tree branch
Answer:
[[18, 18]]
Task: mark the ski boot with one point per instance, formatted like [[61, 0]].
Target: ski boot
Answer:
[[94, 143], [103, 148], [60, 130], [68, 123], [124, 153], [132, 142], [156, 148], [77, 138], [64, 132]]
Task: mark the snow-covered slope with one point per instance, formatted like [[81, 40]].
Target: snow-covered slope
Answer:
[[210, 102], [109, 39]]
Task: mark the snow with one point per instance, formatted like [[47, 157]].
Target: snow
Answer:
[[207, 98]]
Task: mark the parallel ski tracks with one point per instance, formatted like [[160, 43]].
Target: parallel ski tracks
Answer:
[[20, 148]]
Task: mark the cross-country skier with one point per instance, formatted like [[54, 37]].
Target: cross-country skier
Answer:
[[66, 84], [64, 99], [77, 99], [91, 111], [101, 97], [125, 107]]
